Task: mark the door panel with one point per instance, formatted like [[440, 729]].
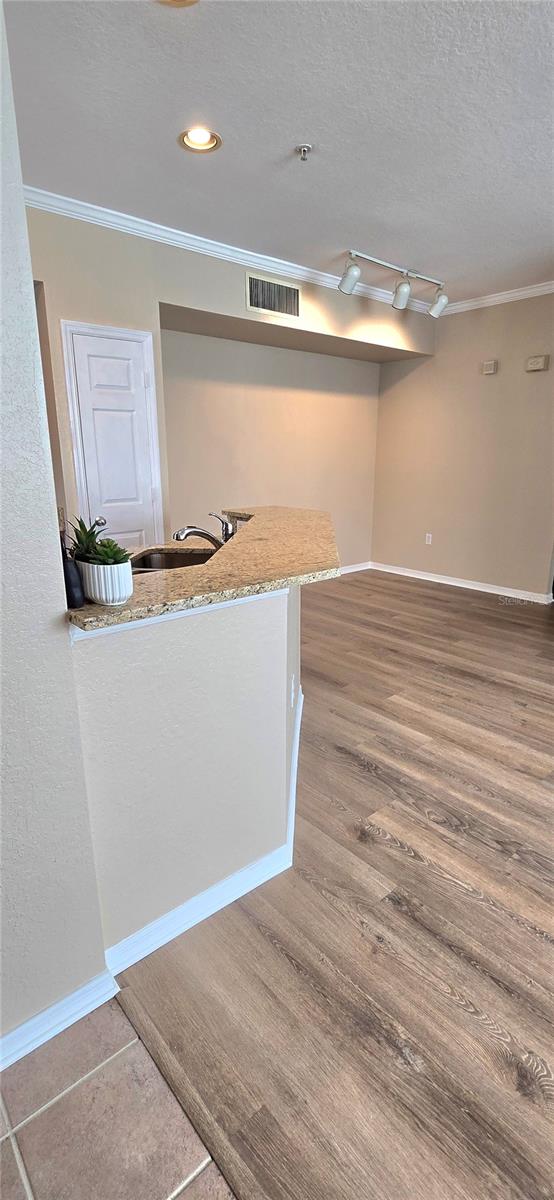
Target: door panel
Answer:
[[111, 373], [117, 447], [116, 454]]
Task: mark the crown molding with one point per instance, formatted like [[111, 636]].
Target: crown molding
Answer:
[[523, 293], [80, 210], [65, 206]]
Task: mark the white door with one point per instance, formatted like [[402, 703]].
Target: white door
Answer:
[[110, 380]]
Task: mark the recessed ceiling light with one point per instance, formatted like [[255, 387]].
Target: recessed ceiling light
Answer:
[[199, 139]]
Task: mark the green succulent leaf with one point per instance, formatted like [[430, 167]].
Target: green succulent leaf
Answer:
[[87, 547], [108, 552]]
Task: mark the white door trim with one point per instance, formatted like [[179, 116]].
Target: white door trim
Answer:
[[69, 328]]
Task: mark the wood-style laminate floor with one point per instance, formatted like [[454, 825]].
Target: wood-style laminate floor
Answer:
[[375, 1024]]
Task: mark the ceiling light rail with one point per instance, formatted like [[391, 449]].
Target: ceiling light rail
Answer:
[[402, 292]]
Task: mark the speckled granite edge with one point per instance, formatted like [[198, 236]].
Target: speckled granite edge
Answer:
[[274, 548]]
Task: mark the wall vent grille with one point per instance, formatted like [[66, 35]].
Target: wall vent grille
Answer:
[[270, 295]]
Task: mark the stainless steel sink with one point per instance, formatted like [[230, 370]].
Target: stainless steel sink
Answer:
[[166, 560]]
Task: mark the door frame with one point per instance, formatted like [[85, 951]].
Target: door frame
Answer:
[[144, 337]]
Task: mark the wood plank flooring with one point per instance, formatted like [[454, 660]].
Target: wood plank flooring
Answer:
[[376, 1024]]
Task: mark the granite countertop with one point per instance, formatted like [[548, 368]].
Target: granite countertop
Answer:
[[273, 548]]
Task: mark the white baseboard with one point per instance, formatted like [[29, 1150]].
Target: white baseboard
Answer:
[[365, 566], [450, 581], [53, 1020], [473, 584], [60, 1016], [138, 945], [157, 933]]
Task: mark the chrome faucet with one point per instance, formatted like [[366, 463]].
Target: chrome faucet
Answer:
[[227, 531]]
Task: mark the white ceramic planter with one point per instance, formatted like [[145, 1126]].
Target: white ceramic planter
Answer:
[[107, 585]]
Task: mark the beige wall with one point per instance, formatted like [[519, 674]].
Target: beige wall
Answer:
[[51, 934], [105, 277], [468, 457], [50, 394], [464, 456], [259, 425], [191, 783]]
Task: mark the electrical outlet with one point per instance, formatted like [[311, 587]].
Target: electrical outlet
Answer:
[[428, 539]]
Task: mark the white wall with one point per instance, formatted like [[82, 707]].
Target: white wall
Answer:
[[51, 933], [257, 425]]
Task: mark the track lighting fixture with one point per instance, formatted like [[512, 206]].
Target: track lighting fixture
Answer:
[[402, 293], [350, 277], [439, 304], [403, 289]]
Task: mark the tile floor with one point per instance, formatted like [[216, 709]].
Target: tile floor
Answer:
[[88, 1116]]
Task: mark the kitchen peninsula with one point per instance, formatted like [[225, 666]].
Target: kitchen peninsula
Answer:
[[273, 548], [190, 707]]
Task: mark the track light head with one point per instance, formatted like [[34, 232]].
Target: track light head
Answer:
[[438, 306], [350, 277], [402, 293]]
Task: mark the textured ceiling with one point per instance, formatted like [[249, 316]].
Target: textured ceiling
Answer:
[[431, 124]]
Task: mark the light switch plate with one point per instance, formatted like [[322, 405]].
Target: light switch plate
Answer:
[[538, 362], [490, 367]]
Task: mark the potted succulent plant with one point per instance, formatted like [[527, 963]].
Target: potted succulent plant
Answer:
[[104, 565]]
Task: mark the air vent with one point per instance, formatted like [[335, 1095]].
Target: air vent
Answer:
[[269, 295]]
